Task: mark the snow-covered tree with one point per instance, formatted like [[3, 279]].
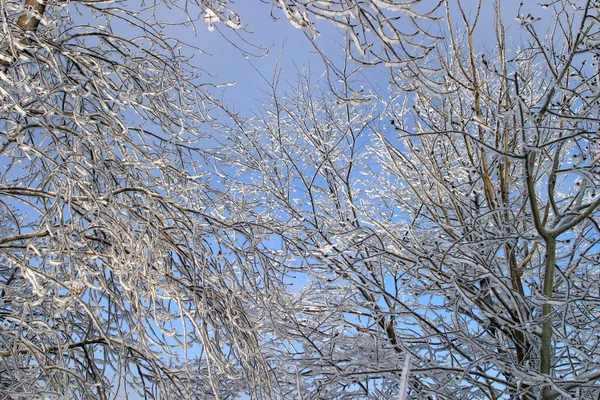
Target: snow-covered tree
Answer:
[[117, 273], [436, 239], [125, 267], [450, 226]]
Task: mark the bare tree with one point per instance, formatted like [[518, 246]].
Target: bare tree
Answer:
[[153, 243], [126, 265], [119, 274], [460, 240]]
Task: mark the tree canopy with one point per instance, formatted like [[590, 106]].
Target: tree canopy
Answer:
[[431, 236]]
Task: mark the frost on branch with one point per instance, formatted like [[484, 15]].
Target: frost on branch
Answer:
[[390, 31], [461, 237], [155, 244], [117, 272]]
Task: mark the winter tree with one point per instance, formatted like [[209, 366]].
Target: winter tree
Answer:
[[154, 244], [449, 229], [113, 249], [127, 270]]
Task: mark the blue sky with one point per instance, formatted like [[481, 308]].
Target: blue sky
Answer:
[[288, 50]]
